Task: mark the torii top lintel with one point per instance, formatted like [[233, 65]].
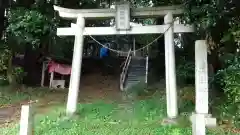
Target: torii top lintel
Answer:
[[111, 13]]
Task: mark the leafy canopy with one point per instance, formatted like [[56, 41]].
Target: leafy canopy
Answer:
[[27, 26]]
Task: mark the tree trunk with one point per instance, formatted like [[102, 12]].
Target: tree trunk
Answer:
[[10, 76], [2, 19], [30, 65]]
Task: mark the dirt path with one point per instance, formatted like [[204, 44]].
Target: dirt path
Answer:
[[93, 87]]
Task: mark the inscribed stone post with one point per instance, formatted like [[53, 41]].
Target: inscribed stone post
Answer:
[[201, 81], [201, 77]]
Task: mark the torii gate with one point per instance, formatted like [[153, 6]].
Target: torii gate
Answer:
[[122, 14]]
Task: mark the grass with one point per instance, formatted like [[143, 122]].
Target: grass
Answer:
[[9, 95], [140, 117]]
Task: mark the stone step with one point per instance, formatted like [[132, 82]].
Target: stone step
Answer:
[[137, 68], [136, 72], [136, 77], [133, 80]]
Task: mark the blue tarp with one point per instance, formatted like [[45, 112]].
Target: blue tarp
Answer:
[[103, 52]]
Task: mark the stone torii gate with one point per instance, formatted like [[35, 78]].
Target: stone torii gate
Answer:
[[122, 13]]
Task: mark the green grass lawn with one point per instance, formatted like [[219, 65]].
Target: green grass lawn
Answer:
[[139, 117], [9, 95]]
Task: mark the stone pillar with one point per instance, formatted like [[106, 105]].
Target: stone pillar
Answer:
[[171, 90], [201, 119], [76, 67], [201, 77], [201, 84]]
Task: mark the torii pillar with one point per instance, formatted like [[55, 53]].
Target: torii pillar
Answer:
[[76, 67], [170, 69]]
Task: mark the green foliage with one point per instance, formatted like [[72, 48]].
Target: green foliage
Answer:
[[18, 73], [216, 21], [229, 114], [28, 26], [185, 71], [229, 80], [232, 34], [205, 14], [4, 57], [10, 95], [3, 81]]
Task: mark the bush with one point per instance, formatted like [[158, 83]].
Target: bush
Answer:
[[229, 81], [186, 99], [3, 81], [28, 26], [4, 57], [19, 74], [185, 72]]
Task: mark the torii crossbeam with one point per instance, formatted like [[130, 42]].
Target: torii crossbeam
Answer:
[[111, 13]]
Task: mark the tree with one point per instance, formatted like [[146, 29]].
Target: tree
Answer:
[[26, 32], [213, 19]]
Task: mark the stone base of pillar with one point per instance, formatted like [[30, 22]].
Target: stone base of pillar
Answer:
[[170, 121], [209, 120], [200, 122]]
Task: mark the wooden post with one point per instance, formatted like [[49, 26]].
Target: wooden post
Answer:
[[147, 59], [27, 120], [51, 79], [171, 88], [146, 77], [134, 46], [43, 73], [76, 67]]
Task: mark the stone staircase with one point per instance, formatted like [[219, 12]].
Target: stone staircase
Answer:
[[136, 72]]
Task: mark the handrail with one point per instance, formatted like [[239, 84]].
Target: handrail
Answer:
[[125, 69], [146, 74]]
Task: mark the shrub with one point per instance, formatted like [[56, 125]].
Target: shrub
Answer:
[[186, 99], [3, 81], [185, 72], [229, 81], [19, 74], [4, 56]]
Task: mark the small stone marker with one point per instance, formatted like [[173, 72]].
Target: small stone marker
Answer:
[[26, 120]]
